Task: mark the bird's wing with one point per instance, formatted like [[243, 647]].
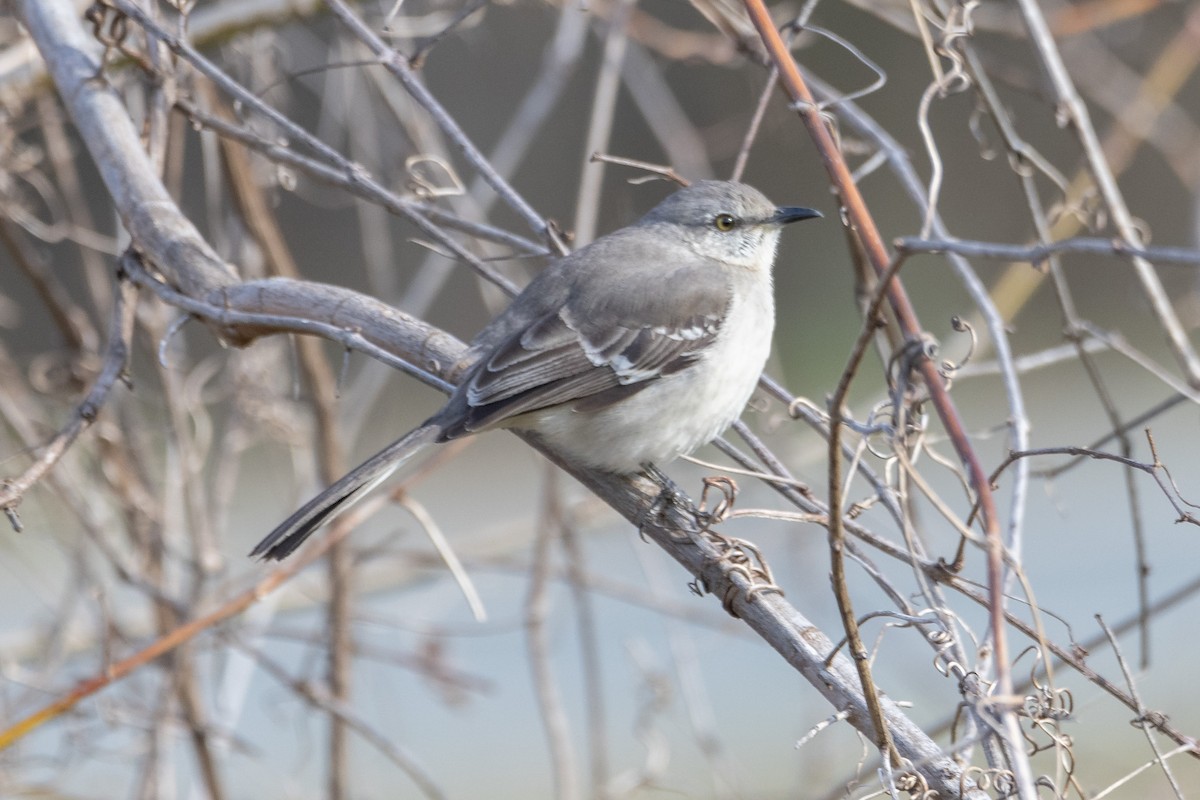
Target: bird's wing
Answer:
[[596, 348]]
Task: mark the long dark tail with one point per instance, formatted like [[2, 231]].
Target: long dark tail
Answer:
[[292, 532]]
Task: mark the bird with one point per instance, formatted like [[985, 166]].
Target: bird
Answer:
[[622, 356]]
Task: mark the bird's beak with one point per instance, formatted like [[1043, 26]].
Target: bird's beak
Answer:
[[786, 214]]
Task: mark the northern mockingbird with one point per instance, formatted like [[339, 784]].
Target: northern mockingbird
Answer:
[[632, 351]]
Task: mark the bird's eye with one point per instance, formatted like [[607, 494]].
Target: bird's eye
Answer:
[[724, 222]]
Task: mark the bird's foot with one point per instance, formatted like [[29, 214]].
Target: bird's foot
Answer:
[[669, 497]]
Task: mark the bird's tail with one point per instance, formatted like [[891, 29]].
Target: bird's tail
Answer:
[[339, 496]]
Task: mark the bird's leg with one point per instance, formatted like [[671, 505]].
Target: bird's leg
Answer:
[[669, 495]]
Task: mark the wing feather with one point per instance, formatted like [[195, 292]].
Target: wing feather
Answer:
[[594, 347]]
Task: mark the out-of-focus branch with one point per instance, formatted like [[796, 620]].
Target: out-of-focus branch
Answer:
[[23, 72], [1070, 104], [330, 451], [320, 698], [345, 175], [124, 667], [1150, 110], [116, 358], [74, 325], [395, 63], [1038, 254]]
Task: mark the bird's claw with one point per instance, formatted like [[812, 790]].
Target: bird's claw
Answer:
[[669, 496]]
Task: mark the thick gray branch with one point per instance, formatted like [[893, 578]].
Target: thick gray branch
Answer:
[[152, 218]]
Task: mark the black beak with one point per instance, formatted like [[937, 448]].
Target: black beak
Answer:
[[786, 214]]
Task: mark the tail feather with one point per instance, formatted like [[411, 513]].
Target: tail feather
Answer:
[[339, 496]]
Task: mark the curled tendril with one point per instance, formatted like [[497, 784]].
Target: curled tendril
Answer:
[[981, 133], [906, 778], [110, 27], [1001, 781], [947, 368], [733, 555], [726, 488], [882, 446], [430, 177], [904, 361], [800, 25], [744, 558]]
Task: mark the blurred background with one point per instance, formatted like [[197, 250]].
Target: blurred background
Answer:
[[596, 672]]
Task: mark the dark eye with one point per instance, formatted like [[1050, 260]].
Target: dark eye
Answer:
[[724, 222]]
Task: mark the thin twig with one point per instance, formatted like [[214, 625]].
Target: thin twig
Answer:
[[351, 178], [1070, 105], [1142, 712], [1038, 254], [398, 65], [600, 123], [591, 651], [116, 358], [319, 697], [537, 608], [122, 668], [836, 530], [760, 111]]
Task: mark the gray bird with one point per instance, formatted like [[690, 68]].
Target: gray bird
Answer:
[[632, 351]]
